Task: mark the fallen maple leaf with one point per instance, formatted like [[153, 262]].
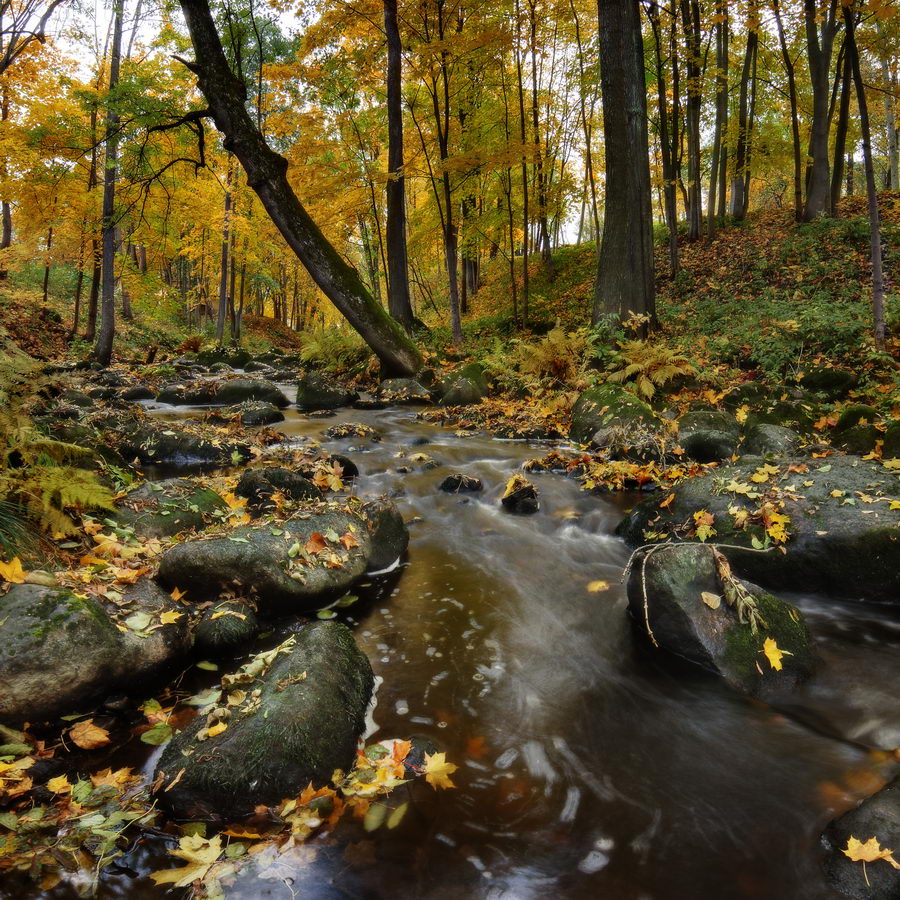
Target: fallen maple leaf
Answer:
[[870, 851], [200, 855], [316, 543], [12, 571], [438, 770], [170, 616], [348, 541], [89, 736], [59, 785], [177, 594], [773, 654], [596, 586]]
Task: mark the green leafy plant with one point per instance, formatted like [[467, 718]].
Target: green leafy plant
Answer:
[[335, 350], [648, 366]]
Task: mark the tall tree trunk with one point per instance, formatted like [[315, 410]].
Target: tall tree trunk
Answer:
[[525, 212], [690, 17], [739, 179], [223, 263], [820, 33], [721, 126], [840, 133], [795, 119], [624, 283], [267, 175], [397, 259], [5, 205], [46, 285], [871, 189], [890, 116], [543, 231], [104, 346]]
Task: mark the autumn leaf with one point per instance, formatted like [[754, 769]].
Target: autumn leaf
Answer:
[[59, 785], [773, 654], [703, 521], [177, 594], [200, 855], [170, 616], [316, 543], [438, 770], [12, 571], [217, 729], [596, 586], [870, 851], [348, 541], [713, 601], [88, 736]]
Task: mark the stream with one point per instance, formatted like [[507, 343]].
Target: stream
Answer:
[[589, 766]]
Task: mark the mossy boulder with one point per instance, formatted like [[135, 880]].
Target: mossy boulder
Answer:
[[300, 719], [750, 393], [59, 651], [236, 357], [856, 414], [605, 409], [666, 591], [316, 391], [254, 413], [876, 817], [163, 508], [462, 392], [297, 568], [258, 486], [138, 392], [403, 390], [226, 627], [850, 549], [222, 393], [708, 436], [891, 446], [831, 382], [858, 439], [770, 440]]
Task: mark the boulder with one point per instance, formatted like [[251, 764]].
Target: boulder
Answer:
[[403, 390], [301, 712], [601, 413], [679, 602], [226, 627], [460, 484], [315, 392], [848, 549], [258, 486], [299, 568], [833, 383], [462, 392], [139, 392], [58, 650], [350, 430], [520, 496], [856, 414], [236, 357], [770, 440], [891, 446], [388, 533], [876, 817], [222, 393], [858, 439], [750, 393], [708, 436], [163, 508], [255, 412]]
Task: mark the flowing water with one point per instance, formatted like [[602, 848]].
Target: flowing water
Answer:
[[588, 766]]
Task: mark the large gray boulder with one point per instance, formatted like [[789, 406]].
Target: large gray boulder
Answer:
[[388, 533], [309, 559], [163, 508], [770, 440], [679, 602], [223, 393], [843, 536], [403, 390], [608, 415], [258, 486], [302, 710], [315, 392], [876, 817], [708, 436]]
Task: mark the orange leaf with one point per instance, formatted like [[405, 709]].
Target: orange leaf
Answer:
[[89, 736]]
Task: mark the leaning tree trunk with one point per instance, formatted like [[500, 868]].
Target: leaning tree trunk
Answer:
[[625, 265], [267, 175]]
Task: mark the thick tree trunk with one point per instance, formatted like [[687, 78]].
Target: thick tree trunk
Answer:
[[690, 17], [223, 263], [625, 265], [104, 346], [543, 230], [267, 175], [721, 126], [397, 259], [840, 133], [740, 178], [5, 206], [871, 189]]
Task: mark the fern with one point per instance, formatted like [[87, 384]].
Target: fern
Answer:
[[648, 366]]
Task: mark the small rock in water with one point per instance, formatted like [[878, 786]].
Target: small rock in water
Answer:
[[461, 484], [521, 496]]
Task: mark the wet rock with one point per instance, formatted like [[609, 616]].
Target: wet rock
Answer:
[[139, 392], [315, 392], [462, 392], [846, 549], [236, 357], [833, 383], [76, 398], [258, 366], [388, 533], [856, 414], [877, 816], [299, 721], [163, 508], [770, 440], [520, 496], [600, 413], [223, 393], [58, 650], [858, 439], [258, 486], [708, 436], [461, 484], [226, 627], [677, 599], [297, 569], [352, 429], [255, 413], [403, 390], [349, 469]]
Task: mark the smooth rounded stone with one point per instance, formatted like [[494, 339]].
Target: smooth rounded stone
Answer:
[[318, 392], [139, 392], [367, 401], [459, 483], [216, 368], [223, 393], [303, 723], [349, 469], [388, 532], [770, 440], [666, 590], [103, 393], [297, 569], [833, 383], [462, 392], [848, 550], [856, 414], [877, 816], [163, 508], [606, 408], [520, 497], [58, 651], [258, 486], [858, 439], [226, 627], [403, 390], [708, 436], [255, 412]]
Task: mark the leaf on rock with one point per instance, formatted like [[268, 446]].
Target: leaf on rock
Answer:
[[870, 851], [713, 601], [596, 586], [89, 736], [200, 855], [773, 654], [12, 571]]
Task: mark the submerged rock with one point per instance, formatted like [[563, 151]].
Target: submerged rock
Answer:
[[302, 711], [163, 508], [679, 601], [876, 817], [317, 392]]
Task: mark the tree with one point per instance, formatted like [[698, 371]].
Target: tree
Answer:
[[624, 283], [267, 176], [22, 22]]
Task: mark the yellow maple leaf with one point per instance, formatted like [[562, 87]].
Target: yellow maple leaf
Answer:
[[218, 728], [596, 586], [438, 770], [870, 851], [12, 571], [170, 616], [59, 785], [200, 855], [177, 593], [741, 414], [773, 654]]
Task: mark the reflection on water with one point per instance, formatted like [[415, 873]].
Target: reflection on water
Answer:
[[588, 768]]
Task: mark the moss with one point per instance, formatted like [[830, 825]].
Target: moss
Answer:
[[854, 414]]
